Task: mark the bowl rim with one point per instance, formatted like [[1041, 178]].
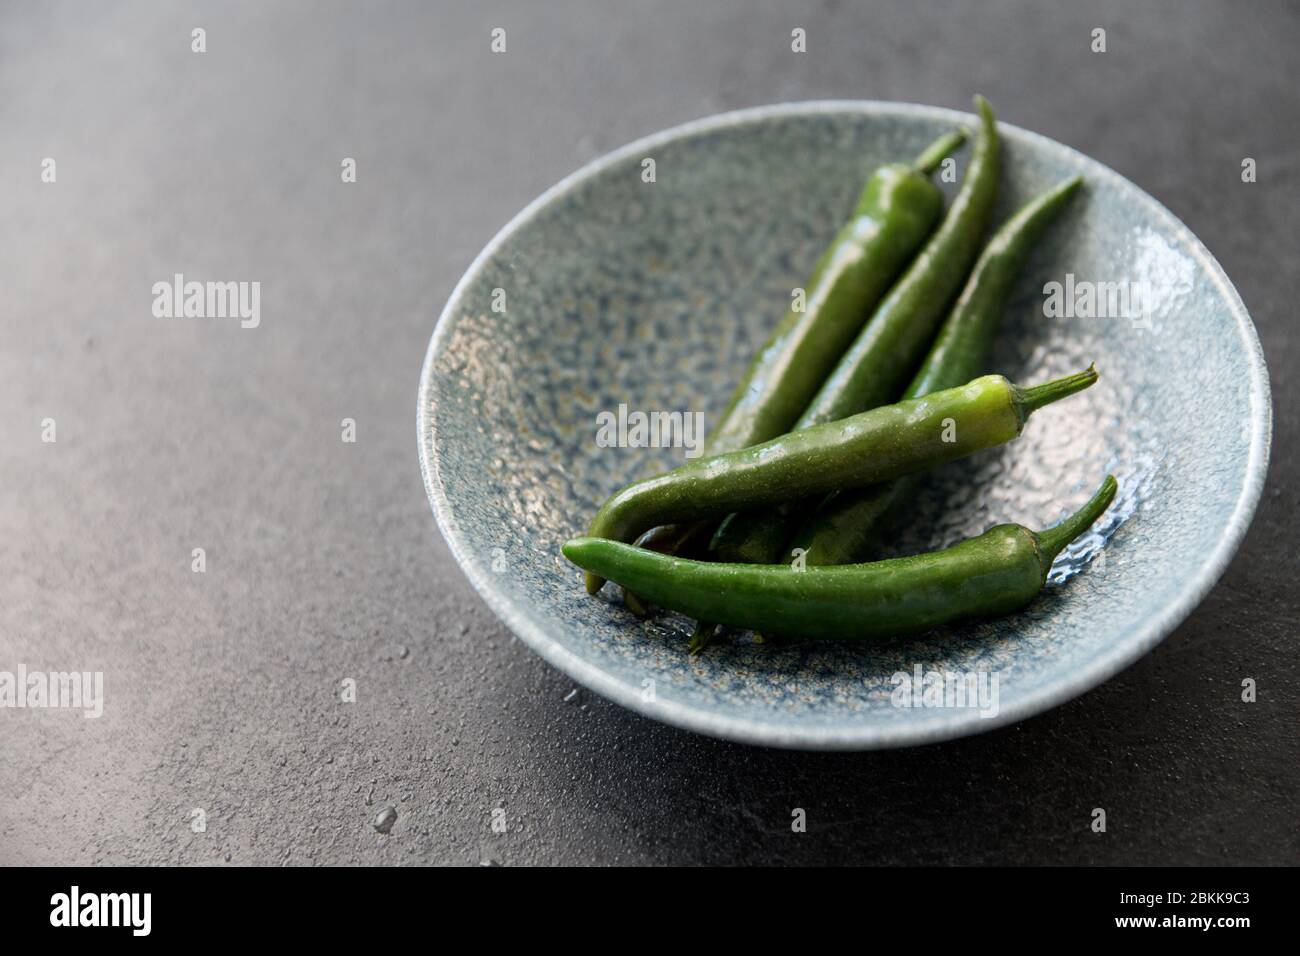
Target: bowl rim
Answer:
[[868, 735]]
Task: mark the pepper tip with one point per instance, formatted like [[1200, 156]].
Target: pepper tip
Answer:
[[1106, 493], [573, 550]]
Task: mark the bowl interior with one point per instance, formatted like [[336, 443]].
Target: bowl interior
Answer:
[[611, 290]]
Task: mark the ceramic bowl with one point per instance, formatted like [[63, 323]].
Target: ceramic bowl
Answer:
[[611, 290]]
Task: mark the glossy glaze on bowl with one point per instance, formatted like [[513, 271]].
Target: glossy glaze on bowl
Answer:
[[654, 295]]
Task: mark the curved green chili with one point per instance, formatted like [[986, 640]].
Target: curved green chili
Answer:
[[996, 573], [891, 345], [845, 526], [897, 209], [865, 449]]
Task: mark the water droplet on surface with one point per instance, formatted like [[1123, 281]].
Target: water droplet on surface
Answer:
[[385, 820]]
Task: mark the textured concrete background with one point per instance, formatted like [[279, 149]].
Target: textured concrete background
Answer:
[[323, 561]]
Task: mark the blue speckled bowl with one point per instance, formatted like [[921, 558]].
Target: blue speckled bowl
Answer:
[[656, 295]]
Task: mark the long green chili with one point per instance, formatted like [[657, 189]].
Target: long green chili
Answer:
[[865, 449], [996, 573]]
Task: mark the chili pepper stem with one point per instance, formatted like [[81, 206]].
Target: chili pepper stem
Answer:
[[1053, 540], [938, 151], [1034, 397]]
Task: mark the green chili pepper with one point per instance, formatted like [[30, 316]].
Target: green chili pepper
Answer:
[[875, 446], [896, 211], [890, 346], [845, 526], [996, 573]]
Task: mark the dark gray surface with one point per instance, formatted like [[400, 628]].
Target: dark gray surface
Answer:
[[323, 559]]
